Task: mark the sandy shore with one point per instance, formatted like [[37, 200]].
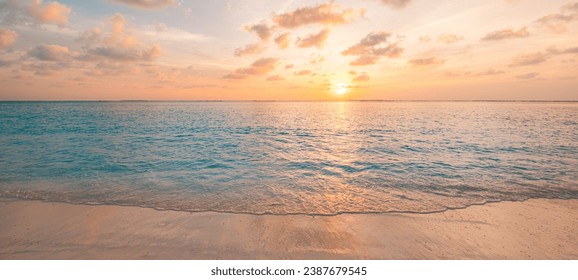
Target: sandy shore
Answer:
[[535, 229]]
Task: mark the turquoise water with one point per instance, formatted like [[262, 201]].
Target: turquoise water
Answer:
[[288, 157]]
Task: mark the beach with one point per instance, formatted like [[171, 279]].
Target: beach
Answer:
[[533, 229]]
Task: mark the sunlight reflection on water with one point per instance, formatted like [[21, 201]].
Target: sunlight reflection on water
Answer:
[[289, 157]]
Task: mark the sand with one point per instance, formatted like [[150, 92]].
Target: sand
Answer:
[[534, 229]]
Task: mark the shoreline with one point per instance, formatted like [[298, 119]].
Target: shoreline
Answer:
[[532, 229], [14, 199]]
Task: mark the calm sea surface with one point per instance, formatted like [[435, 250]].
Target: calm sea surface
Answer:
[[288, 157]]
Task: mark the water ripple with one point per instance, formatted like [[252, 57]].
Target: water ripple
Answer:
[[289, 158]]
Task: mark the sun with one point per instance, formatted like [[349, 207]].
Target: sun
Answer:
[[340, 89]]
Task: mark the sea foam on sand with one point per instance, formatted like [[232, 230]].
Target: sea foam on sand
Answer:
[[534, 229]]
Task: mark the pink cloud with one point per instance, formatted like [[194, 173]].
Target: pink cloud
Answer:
[[508, 33], [372, 47], [313, 40], [262, 30], [365, 60], [396, 4], [7, 37], [449, 38], [529, 59], [557, 22], [259, 67], [426, 61], [275, 78], [303, 73], [250, 49], [52, 12], [283, 40], [117, 44], [362, 78]]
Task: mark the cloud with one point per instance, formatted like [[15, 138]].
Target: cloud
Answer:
[[289, 66], [42, 69], [118, 44], [424, 39], [234, 76], [445, 38], [426, 61], [368, 43], [556, 23], [283, 40], [570, 7], [529, 59], [542, 56], [365, 60], [303, 73], [361, 78], [490, 72], [275, 78], [50, 53], [110, 49], [396, 4], [127, 55], [369, 51], [556, 51], [116, 68], [7, 37], [259, 67], [528, 76], [313, 40], [508, 33], [5, 63], [316, 59], [262, 30], [449, 38], [162, 32], [13, 12], [324, 14], [250, 49], [52, 12], [146, 4]]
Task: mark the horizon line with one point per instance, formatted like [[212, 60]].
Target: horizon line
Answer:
[[300, 100]]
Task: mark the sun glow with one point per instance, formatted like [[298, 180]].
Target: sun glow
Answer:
[[340, 89]]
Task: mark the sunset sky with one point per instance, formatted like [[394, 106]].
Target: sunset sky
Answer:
[[288, 50]]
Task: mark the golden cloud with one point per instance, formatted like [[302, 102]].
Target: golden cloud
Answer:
[[324, 14]]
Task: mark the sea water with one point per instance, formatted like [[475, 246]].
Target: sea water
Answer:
[[318, 158]]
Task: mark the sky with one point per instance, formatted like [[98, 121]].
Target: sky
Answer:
[[289, 50]]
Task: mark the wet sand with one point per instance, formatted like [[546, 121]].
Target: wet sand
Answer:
[[535, 229]]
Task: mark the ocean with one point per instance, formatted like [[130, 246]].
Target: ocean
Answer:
[[312, 158]]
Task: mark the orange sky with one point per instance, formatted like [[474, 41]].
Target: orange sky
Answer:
[[289, 50]]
